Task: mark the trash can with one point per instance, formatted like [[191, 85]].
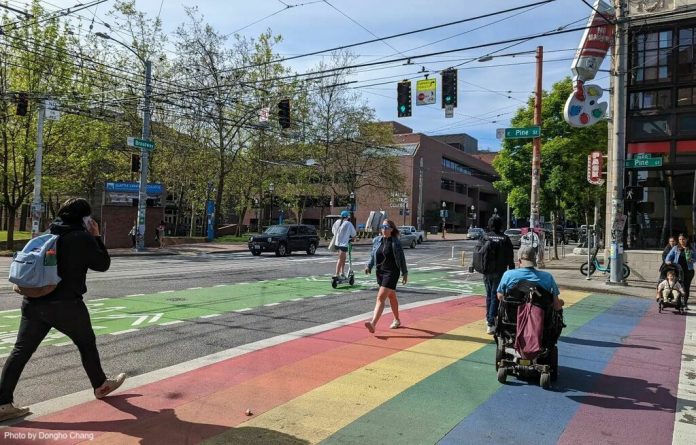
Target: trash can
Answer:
[[434, 230]]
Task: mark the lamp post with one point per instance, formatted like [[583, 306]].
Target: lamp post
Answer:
[[271, 188], [144, 153], [443, 212]]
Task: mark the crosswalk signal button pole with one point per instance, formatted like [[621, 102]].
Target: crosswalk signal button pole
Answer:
[[403, 98]]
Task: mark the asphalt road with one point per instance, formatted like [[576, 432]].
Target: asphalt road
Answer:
[[156, 311]]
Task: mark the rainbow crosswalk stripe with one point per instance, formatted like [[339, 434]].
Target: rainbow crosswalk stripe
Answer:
[[625, 370]]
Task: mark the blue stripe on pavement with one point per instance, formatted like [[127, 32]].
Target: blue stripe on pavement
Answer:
[[522, 412]]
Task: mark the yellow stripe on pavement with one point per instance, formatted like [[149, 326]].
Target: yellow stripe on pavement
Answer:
[[318, 414]]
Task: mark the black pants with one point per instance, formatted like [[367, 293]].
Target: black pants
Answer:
[[69, 317]]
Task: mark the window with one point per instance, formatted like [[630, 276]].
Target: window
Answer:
[[685, 55], [686, 123], [460, 188], [686, 97], [654, 99], [654, 127], [652, 57], [446, 184]]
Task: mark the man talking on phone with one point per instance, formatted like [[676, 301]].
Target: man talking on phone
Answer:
[[79, 249]]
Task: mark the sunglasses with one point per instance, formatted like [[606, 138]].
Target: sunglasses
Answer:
[[386, 226]]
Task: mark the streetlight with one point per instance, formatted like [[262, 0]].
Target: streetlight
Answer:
[[144, 153], [271, 188], [443, 213]]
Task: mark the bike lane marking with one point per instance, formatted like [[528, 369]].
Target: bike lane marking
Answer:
[[122, 314]]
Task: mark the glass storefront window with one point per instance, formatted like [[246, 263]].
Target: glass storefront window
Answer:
[[653, 127], [651, 58], [651, 99]]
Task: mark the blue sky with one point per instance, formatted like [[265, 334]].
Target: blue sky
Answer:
[[489, 92]]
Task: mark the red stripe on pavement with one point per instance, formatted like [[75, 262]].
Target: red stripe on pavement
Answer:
[[154, 404], [634, 400]]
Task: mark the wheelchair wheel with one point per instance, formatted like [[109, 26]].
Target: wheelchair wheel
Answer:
[[545, 380], [499, 352], [553, 361], [502, 375]]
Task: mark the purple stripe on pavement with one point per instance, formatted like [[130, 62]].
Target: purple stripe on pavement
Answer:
[[634, 399]]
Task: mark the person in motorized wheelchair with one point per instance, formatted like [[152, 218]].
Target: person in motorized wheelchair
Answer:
[[670, 292], [529, 322]]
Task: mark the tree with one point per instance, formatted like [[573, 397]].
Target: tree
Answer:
[[564, 188]]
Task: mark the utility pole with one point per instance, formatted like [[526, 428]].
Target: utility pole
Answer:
[[536, 144], [420, 196], [36, 205], [144, 160], [618, 218]]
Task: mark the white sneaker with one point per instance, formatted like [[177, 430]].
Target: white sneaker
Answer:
[[395, 324], [10, 411], [109, 386], [490, 330]]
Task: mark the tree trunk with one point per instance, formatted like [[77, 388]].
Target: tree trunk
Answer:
[[11, 212]]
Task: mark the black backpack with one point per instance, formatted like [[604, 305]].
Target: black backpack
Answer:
[[486, 253]]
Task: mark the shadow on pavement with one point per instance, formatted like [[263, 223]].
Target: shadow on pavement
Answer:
[[163, 427], [602, 344], [614, 392], [435, 334]]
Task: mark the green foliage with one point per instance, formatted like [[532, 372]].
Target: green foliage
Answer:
[[564, 187]]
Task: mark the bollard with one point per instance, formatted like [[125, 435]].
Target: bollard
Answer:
[[452, 256], [463, 259]]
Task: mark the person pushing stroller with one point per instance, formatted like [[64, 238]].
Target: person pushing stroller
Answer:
[[670, 292]]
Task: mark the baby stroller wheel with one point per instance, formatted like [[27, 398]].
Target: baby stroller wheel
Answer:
[[545, 380], [502, 375]]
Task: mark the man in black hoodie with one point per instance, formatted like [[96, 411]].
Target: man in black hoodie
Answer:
[[504, 260], [79, 248]]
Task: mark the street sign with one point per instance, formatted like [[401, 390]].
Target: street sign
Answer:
[[141, 143], [644, 162], [500, 133], [425, 91], [595, 168], [522, 132], [449, 110], [51, 110]]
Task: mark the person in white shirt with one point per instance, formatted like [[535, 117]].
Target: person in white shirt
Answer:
[[344, 231]]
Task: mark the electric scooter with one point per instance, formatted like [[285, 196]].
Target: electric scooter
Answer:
[[350, 276]]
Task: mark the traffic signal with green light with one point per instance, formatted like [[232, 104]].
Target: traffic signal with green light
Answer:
[[449, 87], [403, 98], [284, 113]]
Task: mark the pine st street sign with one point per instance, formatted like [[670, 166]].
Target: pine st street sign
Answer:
[[641, 160], [141, 143], [518, 133]]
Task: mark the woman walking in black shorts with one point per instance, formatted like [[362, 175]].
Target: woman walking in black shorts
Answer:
[[388, 256]]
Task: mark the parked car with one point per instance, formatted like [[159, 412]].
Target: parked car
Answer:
[[419, 234], [285, 239], [408, 239], [475, 233], [515, 236]]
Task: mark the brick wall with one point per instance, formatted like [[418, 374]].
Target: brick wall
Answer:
[[116, 221]]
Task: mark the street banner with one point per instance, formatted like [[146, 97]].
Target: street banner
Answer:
[[425, 91], [595, 167]]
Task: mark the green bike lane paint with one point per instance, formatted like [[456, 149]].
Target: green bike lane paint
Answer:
[[131, 313]]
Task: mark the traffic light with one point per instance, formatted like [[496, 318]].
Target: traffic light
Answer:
[[403, 98], [284, 113], [22, 104], [449, 87], [135, 162]]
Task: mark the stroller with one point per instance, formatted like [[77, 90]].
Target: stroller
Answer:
[[670, 300], [509, 359]]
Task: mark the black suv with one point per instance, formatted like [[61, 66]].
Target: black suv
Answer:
[[284, 239]]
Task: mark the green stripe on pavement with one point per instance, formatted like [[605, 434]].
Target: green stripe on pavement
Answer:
[[114, 315], [442, 400]]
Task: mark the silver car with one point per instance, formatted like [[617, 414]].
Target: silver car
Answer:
[[515, 236]]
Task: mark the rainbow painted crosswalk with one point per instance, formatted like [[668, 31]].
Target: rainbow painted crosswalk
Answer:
[[627, 376]]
